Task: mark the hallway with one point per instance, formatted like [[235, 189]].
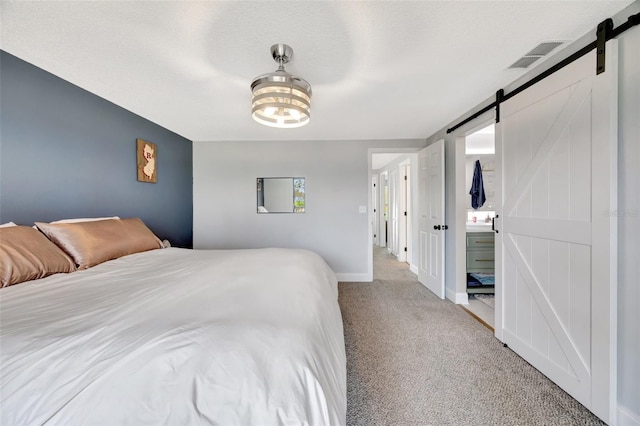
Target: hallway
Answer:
[[387, 267]]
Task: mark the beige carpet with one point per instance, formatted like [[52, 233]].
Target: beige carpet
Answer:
[[413, 359]]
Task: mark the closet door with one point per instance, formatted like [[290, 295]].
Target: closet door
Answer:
[[558, 261]]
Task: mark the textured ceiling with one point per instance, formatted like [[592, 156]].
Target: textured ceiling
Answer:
[[379, 69]]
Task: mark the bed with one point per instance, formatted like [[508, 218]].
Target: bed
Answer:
[[176, 336]]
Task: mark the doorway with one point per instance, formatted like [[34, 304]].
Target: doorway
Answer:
[[479, 214], [391, 206]]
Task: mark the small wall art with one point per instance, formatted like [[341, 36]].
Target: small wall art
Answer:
[[147, 159]]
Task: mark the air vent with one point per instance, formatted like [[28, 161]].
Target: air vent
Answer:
[[536, 53], [525, 61], [544, 48]]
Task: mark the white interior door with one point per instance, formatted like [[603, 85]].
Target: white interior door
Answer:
[[384, 208], [402, 213], [558, 261], [431, 210], [409, 209], [393, 211], [376, 208]]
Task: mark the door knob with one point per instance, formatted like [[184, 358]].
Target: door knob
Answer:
[[436, 227]]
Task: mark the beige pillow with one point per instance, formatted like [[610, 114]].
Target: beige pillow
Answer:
[[91, 243], [26, 254]]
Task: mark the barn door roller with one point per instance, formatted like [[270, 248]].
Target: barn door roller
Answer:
[[603, 33]]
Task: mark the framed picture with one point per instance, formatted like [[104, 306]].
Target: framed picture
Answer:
[[147, 156]]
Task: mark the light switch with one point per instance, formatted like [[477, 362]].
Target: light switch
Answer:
[[362, 209]]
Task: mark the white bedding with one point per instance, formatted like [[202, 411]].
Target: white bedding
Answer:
[[176, 337]]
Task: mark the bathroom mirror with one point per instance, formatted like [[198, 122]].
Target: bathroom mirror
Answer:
[[280, 195]]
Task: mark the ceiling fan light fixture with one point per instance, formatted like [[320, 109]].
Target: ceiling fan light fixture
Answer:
[[280, 99]]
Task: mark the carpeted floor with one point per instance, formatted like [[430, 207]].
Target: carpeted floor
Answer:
[[413, 359]]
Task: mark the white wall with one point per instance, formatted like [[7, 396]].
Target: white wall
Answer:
[[337, 180], [454, 236], [629, 225]]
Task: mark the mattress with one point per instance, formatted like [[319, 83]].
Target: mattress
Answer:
[[176, 336]]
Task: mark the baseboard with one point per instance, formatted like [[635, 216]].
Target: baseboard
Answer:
[[626, 417], [355, 278], [450, 294], [457, 298], [413, 269]]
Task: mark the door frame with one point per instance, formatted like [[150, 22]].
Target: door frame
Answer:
[[458, 294], [413, 152]]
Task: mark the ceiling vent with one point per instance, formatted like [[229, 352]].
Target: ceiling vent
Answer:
[[536, 53]]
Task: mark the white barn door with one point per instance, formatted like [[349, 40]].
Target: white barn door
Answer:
[[559, 163], [431, 211]]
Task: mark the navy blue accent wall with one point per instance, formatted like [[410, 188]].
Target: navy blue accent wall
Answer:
[[65, 152]]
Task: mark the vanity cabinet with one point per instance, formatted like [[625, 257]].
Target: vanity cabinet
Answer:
[[480, 258]]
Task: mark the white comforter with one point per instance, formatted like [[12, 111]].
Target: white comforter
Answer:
[[176, 337]]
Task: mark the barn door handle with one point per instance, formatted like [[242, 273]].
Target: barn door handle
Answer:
[[445, 227], [436, 227], [493, 223]]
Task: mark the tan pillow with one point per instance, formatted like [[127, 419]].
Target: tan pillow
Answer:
[[91, 243], [84, 219], [26, 254]]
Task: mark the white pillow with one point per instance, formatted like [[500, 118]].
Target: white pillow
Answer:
[[8, 224], [84, 219]]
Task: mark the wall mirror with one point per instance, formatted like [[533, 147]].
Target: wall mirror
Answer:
[[280, 195]]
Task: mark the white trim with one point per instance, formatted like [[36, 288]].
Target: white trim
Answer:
[[457, 298], [413, 268], [626, 417], [355, 278]]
